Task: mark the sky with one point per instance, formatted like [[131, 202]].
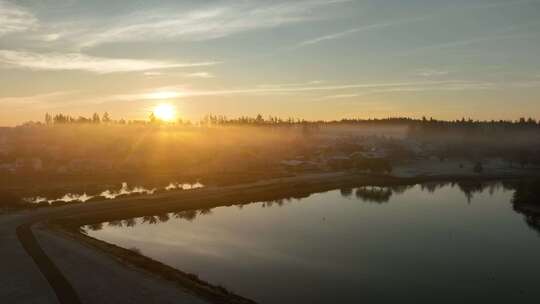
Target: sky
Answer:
[[311, 59]]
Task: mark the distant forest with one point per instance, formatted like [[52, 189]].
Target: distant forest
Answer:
[[260, 120]]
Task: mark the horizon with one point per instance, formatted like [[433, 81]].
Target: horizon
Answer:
[[164, 114], [311, 59]]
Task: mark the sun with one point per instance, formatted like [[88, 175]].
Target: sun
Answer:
[[165, 112]]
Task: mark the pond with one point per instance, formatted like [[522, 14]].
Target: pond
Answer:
[[422, 244]]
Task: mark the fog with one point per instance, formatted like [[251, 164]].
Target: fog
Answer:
[[73, 158]]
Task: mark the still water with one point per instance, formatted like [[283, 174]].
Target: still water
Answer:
[[421, 244]]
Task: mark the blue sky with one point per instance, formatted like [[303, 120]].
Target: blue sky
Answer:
[[314, 59]]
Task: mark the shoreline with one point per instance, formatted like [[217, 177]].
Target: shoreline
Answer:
[[267, 190], [66, 221]]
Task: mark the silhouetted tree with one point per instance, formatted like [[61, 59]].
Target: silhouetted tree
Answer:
[[48, 119], [106, 118], [152, 117], [95, 118]]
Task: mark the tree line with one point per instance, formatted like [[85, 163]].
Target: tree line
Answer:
[[66, 119], [260, 120]]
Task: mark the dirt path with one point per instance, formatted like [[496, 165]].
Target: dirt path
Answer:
[[20, 281], [60, 285], [98, 278]]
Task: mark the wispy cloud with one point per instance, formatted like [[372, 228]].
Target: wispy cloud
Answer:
[[200, 75], [459, 43], [14, 18], [394, 23], [430, 73], [500, 4], [526, 84], [339, 96], [359, 88], [343, 34], [504, 34], [366, 28], [289, 85], [207, 23], [37, 100], [81, 62]]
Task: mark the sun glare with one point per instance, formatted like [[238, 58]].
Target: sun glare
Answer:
[[165, 112]]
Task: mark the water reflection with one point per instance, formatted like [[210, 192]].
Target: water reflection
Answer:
[[374, 194], [526, 201], [124, 190], [365, 194], [460, 240], [188, 215]]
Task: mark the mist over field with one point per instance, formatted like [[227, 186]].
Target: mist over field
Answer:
[[231, 151]]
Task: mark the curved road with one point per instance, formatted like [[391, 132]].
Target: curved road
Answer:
[[60, 285], [69, 271]]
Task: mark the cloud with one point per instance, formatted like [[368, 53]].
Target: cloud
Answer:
[[526, 84], [501, 35], [153, 73], [429, 73], [366, 88], [293, 84], [205, 24], [339, 96], [50, 37], [43, 100], [205, 75], [500, 4], [200, 75], [81, 62], [343, 34], [378, 26], [14, 18], [366, 28]]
